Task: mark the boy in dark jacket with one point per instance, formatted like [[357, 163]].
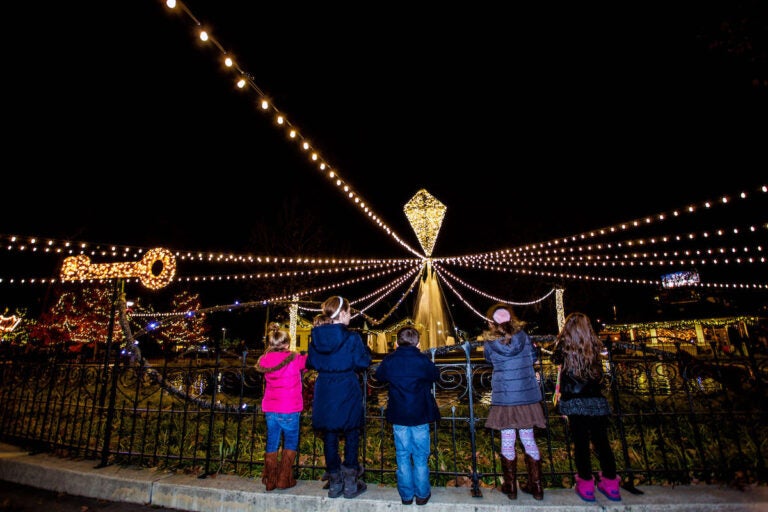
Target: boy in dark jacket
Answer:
[[411, 407]]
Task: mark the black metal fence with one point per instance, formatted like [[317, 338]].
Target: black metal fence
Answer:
[[679, 415]]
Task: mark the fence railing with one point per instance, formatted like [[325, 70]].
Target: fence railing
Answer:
[[677, 417]]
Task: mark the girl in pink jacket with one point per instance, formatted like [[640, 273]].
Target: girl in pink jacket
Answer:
[[282, 405]]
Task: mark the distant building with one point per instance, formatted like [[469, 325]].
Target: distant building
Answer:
[[696, 335]]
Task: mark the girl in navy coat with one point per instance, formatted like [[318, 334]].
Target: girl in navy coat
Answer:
[[338, 354]]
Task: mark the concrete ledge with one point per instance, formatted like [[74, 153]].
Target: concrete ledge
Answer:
[[79, 478], [226, 493]]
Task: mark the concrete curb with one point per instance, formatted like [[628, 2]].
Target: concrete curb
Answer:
[[227, 493]]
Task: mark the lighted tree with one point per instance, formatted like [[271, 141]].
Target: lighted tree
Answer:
[[79, 316], [185, 328], [15, 327]]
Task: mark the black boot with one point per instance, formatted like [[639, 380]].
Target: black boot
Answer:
[[335, 484], [353, 486]]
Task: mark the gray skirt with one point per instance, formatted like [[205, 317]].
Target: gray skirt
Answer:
[[502, 417], [591, 406]]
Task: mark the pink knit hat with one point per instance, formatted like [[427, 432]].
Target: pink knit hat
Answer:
[[501, 315]]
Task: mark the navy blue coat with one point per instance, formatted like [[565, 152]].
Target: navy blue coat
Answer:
[[338, 354], [410, 375], [514, 378]]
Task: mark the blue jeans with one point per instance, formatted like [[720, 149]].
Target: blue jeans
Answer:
[[412, 453], [285, 425], [331, 448]]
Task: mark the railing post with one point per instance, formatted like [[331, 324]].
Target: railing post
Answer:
[[629, 484], [476, 492], [214, 392], [117, 294]]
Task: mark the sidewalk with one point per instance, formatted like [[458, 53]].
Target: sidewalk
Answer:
[[227, 493]]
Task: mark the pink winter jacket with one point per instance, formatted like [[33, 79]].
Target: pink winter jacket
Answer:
[[283, 391]]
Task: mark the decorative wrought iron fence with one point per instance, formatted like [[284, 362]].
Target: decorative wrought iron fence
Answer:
[[677, 417]]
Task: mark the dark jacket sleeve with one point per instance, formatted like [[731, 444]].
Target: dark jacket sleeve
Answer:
[[362, 356]]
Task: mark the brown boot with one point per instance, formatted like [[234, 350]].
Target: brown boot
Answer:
[[509, 472], [269, 477], [285, 478], [533, 485]]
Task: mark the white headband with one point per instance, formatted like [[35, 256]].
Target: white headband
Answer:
[[338, 310]]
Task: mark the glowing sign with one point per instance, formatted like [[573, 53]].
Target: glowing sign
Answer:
[[680, 278], [155, 270]]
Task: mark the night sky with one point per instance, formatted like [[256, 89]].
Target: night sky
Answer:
[[527, 123]]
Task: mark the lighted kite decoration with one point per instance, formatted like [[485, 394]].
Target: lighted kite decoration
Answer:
[[425, 214], [155, 270]]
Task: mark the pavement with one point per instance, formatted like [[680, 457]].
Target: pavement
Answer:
[[120, 488], [23, 498]]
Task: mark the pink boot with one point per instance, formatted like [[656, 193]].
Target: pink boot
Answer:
[[585, 488], [609, 487]]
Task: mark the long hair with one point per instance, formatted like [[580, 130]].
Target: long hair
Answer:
[[506, 328], [580, 347]]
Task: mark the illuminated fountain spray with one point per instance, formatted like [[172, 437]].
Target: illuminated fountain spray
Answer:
[[425, 214]]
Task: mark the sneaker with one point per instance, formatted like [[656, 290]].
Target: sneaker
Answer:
[[423, 501], [406, 502]]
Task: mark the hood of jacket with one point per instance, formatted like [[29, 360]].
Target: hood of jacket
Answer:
[[274, 361], [516, 344], [328, 338], [334, 348]]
